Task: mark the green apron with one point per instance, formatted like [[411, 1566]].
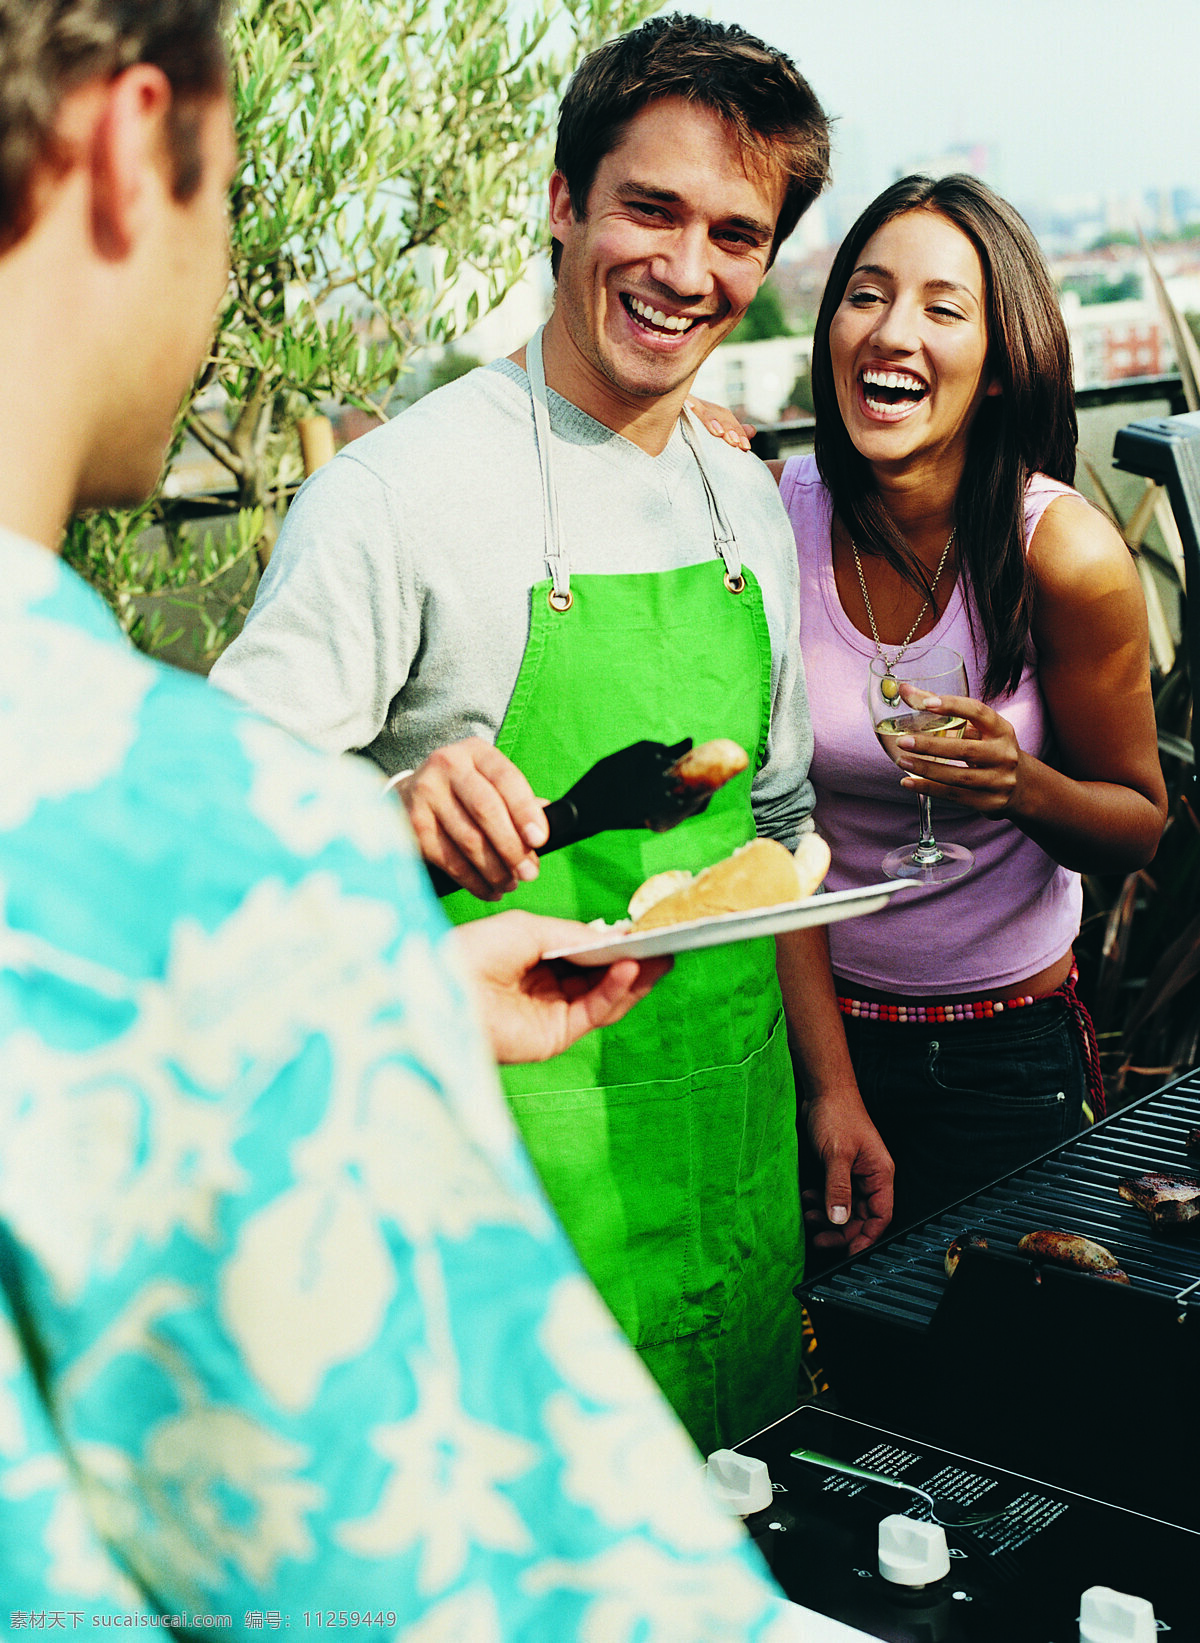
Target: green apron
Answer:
[[666, 1143]]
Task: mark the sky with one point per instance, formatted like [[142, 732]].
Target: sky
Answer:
[[1071, 97]]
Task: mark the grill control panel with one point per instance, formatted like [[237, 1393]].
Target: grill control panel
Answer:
[[1019, 1576]]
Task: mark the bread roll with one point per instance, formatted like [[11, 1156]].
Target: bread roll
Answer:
[[811, 857], [760, 874], [656, 888]]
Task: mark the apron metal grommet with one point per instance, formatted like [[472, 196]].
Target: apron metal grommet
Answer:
[[735, 584], [560, 601]]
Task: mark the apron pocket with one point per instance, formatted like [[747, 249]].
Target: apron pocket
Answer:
[[679, 1195]]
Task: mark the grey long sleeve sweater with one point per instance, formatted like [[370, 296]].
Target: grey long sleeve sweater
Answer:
[[395, 611]]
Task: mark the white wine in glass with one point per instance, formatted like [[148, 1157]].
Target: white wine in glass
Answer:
[[939, 672]]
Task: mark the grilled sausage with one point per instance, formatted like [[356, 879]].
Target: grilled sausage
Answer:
[[711, 765], [1072, 1249], [965, 1240]]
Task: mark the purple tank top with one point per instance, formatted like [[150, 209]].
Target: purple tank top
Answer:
[[1018, 910]]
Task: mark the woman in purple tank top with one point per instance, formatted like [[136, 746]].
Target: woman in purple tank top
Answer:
[[939, 511]]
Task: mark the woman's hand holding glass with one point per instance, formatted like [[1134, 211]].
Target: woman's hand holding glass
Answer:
[[936, 674], [987, 769]]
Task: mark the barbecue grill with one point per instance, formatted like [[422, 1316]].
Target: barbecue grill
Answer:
[[1018, 1578], [1090, 1385]]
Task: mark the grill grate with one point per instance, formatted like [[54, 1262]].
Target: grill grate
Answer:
[[1073, 1189]]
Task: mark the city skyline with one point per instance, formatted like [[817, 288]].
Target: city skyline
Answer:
[[1070, 105]]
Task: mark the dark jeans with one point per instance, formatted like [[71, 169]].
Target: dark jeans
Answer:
[[959, 1105]]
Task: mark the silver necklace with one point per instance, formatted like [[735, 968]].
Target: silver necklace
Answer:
[[888, 687]]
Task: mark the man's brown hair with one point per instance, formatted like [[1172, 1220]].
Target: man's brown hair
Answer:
[[48, 47], [758, 92]]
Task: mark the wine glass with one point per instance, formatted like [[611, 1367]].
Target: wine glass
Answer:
[[941, 672]]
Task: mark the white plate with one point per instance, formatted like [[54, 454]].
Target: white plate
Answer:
[[720, 928]]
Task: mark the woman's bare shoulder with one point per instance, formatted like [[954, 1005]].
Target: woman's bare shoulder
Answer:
[[1075, 546]]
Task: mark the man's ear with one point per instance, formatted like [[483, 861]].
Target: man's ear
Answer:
[[561, 213], [128, 157]]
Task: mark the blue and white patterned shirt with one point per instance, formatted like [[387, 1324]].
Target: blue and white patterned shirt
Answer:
[[286, 1329]]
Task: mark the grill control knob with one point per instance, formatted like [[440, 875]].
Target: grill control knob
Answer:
[[912, 1553], [1106, 1616], [739, 1483]]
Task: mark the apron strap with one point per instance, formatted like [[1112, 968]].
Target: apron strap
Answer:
[[724, 540], [557, 562], [556, 559]]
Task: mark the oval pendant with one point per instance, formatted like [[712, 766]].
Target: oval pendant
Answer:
[[888, 688]]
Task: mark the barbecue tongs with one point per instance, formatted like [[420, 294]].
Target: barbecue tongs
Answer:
[[645, 785]]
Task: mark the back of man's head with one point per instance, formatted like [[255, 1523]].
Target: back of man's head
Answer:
[[49, 47], [766, 103]]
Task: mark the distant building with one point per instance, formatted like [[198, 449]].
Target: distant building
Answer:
[[974, 159], [754, 379], [1136, 349], [1114, 340], [1185, 205]]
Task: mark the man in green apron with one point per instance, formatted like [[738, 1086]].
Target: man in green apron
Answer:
[[543, 563]]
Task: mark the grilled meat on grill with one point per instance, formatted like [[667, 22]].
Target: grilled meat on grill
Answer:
[[1169, 1200], [965, 1240], [1192, 1140], [1072, 1249]]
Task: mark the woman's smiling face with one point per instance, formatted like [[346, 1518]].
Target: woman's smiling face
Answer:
[[908, 343]]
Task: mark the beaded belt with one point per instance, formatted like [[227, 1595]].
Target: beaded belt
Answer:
[[987, 1009], [979, 1009]]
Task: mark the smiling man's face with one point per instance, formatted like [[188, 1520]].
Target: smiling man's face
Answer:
[[674, 246]]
